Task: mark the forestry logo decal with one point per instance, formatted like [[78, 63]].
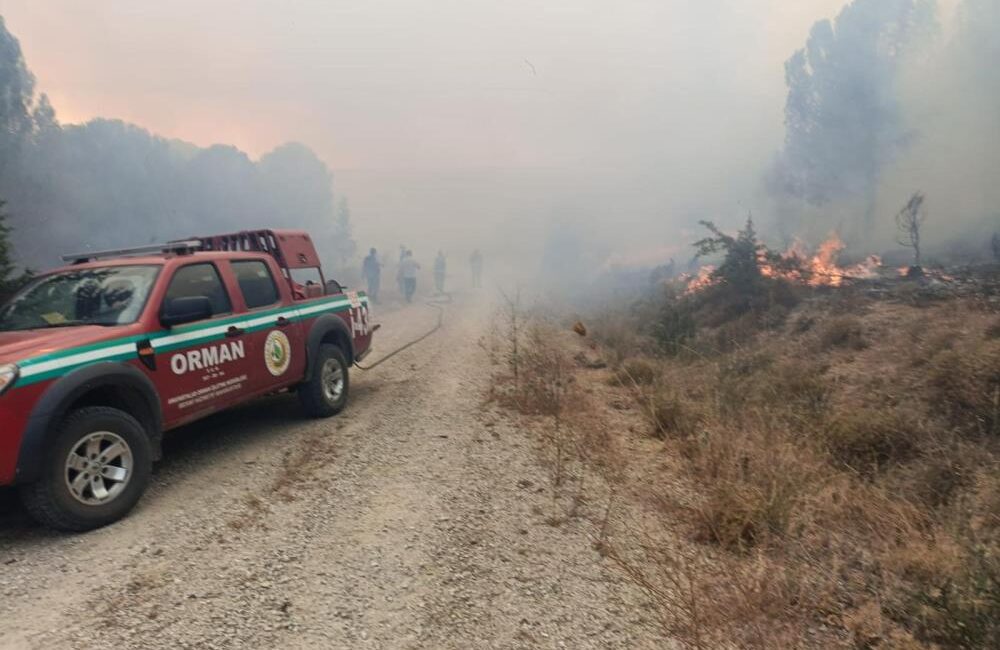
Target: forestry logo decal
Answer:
[[277, 353]]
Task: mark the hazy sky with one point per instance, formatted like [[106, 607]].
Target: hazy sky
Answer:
[[378, 83], [646, 106]]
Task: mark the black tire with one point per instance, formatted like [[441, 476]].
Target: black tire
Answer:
[[50, 501], [317, 397]]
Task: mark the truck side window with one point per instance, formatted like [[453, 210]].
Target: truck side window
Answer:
[[200, 280], [256, 283]]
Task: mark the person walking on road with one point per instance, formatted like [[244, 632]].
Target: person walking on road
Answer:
[[408, 268], [440, 266], [476, 262], [399, 270], [372, 270]]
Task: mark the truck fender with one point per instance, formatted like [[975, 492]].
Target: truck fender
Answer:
[[328, 326], [55, 402]]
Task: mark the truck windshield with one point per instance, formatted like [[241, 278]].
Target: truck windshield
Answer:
[[113, 295]]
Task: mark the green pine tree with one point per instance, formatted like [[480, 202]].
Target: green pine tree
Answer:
[[11, 279]]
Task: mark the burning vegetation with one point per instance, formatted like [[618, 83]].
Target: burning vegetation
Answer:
[[797, 265], [839, 429], [746, 257], [817, 269]]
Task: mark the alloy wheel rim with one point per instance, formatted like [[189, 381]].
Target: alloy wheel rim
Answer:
[[98, 468], [333, 380]]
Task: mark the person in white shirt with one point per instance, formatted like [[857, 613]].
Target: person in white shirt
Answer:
[[440, 268], [408, 268]]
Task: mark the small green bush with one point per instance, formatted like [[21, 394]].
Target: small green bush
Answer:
[[675, 325]]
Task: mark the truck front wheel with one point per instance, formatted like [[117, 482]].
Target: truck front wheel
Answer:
[[94, 473], [324, 393]]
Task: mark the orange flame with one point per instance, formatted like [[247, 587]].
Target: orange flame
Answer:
[[821, 268], [934, 274], [702, 280], [818, 269]]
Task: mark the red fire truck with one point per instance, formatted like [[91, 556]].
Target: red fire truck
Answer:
[[99, 358]]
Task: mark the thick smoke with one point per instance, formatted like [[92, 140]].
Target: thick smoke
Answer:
[[951, 100], [844, 118], [566, 142], [889, 99]]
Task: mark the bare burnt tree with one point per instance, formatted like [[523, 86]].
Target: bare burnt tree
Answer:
[[909, 220], [995, 245]]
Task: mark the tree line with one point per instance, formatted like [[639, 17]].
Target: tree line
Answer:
[[106, 183]]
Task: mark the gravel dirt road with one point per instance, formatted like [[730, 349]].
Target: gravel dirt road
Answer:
[[412, 520]]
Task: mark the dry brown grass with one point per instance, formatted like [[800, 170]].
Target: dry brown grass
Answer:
[[671, 415], [538, 380], [846, 473], [842, 332], [867, 440], [636, 371], [618, 338]]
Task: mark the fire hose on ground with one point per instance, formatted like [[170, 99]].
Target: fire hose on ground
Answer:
[[438, 304]]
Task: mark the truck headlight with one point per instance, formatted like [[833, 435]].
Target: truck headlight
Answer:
[[8, 375]]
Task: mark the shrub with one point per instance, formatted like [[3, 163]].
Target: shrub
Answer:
[[954, 602], [753, 480], [619, 337], [638, 371], [740, 285], [993, 330], [749, 502], [675, 325], [671, 415], [867, 440], [741, 381], [842, 332], [736, 333], [795, 386], [938, 478], [987, 503], [965, 384], [745, 363]]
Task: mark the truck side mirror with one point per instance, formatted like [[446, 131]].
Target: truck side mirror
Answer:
[[178, 311]]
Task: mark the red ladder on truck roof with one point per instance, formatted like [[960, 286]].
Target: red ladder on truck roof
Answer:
[[291, 249]]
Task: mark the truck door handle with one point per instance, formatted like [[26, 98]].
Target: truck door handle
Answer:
[[283, 322], [234, 331]]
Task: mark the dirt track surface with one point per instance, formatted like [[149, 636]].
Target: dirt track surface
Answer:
[[411, 520]]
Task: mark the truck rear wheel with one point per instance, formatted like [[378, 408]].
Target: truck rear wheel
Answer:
[[96, 470], [325, 392]]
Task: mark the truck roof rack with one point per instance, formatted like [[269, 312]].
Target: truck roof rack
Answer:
[[182, 247], [292, 249]]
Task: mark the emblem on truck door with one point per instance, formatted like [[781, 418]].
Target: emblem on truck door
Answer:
[[277, 353]]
